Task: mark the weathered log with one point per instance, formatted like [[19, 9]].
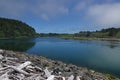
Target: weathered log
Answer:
[[4, 77], [47, 73], [2, 69], [18, 69], [24, 65], [1, 51], [71, 77], [1, 57], [38, 68], [35, 77], [51, 77]]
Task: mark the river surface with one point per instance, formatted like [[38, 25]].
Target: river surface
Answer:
[[102, 56]]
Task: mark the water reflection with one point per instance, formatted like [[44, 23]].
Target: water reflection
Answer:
[[16, 45], [113, 44], [109, 44]]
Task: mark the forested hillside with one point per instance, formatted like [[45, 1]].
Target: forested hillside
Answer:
[[10, 28]]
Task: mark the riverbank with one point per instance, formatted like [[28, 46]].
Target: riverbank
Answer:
[[90, 38], [41, 68], [22, 37], [66, 37]]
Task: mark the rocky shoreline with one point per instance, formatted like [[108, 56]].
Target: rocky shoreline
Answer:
[[23, 66]]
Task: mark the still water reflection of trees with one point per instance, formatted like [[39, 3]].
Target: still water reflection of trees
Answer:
[[110, 44], [16, 45], [113, 44]]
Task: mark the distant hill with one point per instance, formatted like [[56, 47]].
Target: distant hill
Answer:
[[10, 28]]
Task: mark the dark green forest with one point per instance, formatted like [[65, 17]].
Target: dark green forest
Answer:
[[10, 28]]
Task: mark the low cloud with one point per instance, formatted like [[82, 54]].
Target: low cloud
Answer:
[[105, 14]]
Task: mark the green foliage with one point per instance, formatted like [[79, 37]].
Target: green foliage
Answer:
[[55, 35], [99, 34], [10, 28], [104, 33], [118, 35], [111, 77], [1, 34]]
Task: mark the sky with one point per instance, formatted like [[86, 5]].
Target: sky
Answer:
[[63, 16]]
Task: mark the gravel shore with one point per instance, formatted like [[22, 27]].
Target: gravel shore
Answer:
[[31, 67]]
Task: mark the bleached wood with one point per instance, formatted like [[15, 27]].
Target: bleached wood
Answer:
[[4, 77], [51, 77], [18, 70], [47, 73], [63, 78], [38, 68], [1, 51], [24, 65], [2, 69], [71, 77], [1, 57], [10, 58], [78, 78]]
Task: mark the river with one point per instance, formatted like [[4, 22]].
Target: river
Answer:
[[102, 56]]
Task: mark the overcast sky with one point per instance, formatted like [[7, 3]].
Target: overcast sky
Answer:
[[63, 16]]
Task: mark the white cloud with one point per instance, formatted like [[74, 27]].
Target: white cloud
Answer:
[[45, 9], [50, 8], [45, 17], [12, 8], [108, 14], [83, 4], [80, 6]]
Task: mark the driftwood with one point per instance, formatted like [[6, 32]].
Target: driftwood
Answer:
[[12, 69], [1, 51], [23, 75], [51, 77], [47, 73], [1, 57], [27, 63], [4, 77], [71, 77]]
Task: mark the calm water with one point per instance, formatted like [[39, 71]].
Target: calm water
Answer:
[[103, 56]]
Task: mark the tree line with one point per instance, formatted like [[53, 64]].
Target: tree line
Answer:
[[104, 33], [10, 28]]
